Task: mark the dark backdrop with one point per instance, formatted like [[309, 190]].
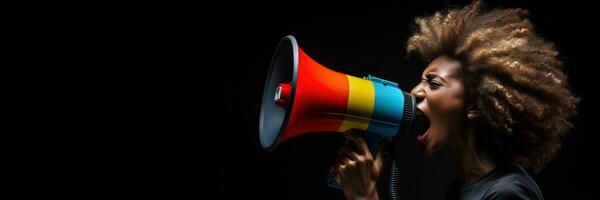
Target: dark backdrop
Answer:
[[195, 75]]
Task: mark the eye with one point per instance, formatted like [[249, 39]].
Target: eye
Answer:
[[433, 84], [436, 83]]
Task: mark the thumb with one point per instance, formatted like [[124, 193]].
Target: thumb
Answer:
[[378, 162], [380, 152]]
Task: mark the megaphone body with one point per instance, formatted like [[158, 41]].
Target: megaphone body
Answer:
[[301, 96]]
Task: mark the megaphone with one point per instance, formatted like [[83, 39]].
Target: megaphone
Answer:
[[302, 96]]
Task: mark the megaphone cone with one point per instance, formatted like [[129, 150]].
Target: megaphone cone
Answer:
[[301, 96]]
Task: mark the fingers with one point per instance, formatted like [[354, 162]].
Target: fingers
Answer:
[[337, 168], [340, 175], [340, 170], [350, 158], [346, 161], [348, 151], [360, 142]]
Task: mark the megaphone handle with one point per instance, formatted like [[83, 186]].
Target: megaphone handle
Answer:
[[372, 140]]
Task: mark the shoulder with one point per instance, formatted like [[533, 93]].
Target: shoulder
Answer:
[[514, 186]]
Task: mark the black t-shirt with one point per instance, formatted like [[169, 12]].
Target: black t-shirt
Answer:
[[505, 182]]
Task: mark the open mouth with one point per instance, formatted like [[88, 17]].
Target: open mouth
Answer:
[[421, 125]]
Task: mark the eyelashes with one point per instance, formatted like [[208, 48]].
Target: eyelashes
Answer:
[[432, 83]]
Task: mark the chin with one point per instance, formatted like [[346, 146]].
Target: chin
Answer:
[[426, 143], [429, 150]]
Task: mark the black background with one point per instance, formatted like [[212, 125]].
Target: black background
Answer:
[[195, 75]]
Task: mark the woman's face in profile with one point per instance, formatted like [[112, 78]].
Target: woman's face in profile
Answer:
[[440, 95]]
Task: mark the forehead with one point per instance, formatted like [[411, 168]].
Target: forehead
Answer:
[[444, 66]]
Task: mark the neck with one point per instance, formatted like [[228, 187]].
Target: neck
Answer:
[[471, 162]]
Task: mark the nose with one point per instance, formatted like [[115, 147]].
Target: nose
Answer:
[[418, 93]]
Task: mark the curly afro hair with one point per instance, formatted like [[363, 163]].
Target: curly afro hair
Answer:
[[512, 75]]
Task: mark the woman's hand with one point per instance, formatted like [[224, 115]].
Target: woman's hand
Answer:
[[357, 170]]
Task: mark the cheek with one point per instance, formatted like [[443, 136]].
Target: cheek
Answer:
[[447, 104], [449, 110]]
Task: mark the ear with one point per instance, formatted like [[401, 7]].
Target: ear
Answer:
[[473, 112]]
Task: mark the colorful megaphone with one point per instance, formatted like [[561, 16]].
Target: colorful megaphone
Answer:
[[301, 96]]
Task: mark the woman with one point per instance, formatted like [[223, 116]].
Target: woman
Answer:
[[495, 96]]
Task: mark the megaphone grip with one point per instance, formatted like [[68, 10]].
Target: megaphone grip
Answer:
[[373, 141]]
